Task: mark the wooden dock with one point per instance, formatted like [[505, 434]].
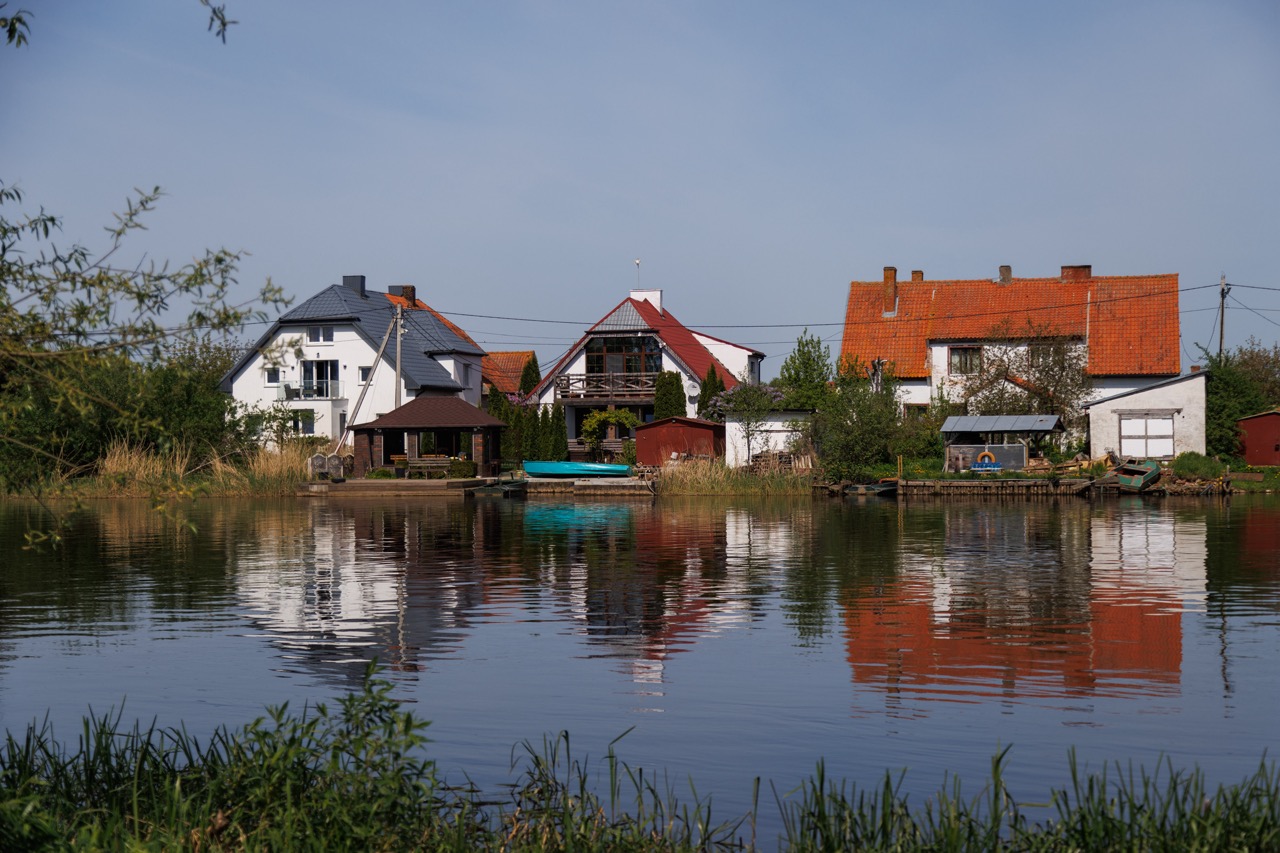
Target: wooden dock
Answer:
[[994, 488]]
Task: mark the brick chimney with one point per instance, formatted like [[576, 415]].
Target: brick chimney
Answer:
[[355, 282], [1006, 273], [410, 294], [1078, 272], [890, 301], [917, 275]]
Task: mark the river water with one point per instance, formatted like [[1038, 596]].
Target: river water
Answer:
[[728, 639]]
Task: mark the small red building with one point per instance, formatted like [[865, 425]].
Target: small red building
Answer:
[[657, 442], [1260, 438]]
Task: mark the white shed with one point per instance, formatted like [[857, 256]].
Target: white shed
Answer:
[[1157, 421]]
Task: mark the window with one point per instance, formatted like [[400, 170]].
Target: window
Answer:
[[1146, 436], [273, 375], [320, 379], [915, 412], [319, 334], [964, 361], [365, 373], [304, 421], [624, 354]]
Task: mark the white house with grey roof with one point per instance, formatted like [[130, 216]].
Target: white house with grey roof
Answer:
[[318, 358]]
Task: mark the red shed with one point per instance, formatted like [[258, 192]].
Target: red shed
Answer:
[[1260, 438], [657, 441]]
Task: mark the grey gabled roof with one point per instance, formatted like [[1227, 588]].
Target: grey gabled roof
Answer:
[[1199, 374], [624, 318], [424, 334], [1001, 423]]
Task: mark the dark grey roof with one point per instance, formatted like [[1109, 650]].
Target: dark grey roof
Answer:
[[1001, 423], [1199, 374], [624, 318], [424, 334]]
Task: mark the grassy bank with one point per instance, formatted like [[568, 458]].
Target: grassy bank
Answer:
[[126, 471], [354, 777], [713, 477]]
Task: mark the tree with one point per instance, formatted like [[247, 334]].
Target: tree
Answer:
[[712, 387], [749, 405], [1261, 366], [805, 375], [668, 396], [531, 432], [530, 376], [595, 424], [559, 435], [1230, 394], [855, 425], [1036, 371]]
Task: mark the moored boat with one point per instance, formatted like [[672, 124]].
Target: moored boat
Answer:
[[575, 469], [1136, 475]]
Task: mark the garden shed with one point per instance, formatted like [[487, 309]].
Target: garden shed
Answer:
[[1006, 440], [678, 437], [1260, 438], [426, 433]]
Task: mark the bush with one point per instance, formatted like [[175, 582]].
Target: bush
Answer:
[[461, 469], [1194, 466], [380, 474]]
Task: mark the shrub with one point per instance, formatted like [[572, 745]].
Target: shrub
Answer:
[[1194, 466], [461, 469], [380, 474]]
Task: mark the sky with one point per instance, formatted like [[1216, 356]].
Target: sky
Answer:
[[514, 159]]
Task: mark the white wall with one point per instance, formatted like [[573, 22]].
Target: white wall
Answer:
[[1182, 401], [776, 434]]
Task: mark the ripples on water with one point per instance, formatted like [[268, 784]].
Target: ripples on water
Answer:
[[738, 638]]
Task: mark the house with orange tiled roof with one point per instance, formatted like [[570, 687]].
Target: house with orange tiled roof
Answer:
[[615, 364], [933, 332], [501, 371]]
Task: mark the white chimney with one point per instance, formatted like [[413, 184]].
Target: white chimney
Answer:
[[653, 297]]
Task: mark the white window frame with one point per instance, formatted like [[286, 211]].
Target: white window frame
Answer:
[[319, 334], [1147, 434], [365, 373], [266, 376]]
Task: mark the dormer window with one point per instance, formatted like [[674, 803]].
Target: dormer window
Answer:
[[319, 334]]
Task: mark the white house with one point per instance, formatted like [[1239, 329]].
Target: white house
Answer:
[[1158, 421], [779, 432], [934, 333], [616, 363], [319, 359]]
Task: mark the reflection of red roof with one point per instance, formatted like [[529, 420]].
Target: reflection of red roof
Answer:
[[679, 340], [502, 370], [1129, 322]]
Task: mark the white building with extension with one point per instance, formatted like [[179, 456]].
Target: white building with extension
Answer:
[[1158, 421]]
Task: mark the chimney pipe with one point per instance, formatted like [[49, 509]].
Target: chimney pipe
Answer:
[[890, 298], [355, 282], [410, 294], [1077, 272], [1006, 273], [917, 275]]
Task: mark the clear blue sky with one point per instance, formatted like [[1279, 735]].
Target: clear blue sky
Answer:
[[515, 158]]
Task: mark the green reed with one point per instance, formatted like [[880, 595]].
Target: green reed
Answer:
[[355, 777]]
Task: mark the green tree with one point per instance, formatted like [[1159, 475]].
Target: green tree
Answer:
[[595, 425], [748, 404], [855, 426], [531, 432], [805, 375], [668, 396], [559, 435], [1230, 393], [1261, 366], [712, 387], [530, 376]]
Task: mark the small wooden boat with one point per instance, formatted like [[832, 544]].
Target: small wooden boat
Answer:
[[885, 488], [577, 470], [1136, 475]]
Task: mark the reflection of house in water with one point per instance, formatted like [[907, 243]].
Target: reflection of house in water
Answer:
[[1059, 600], [348, 585], [644, 583]]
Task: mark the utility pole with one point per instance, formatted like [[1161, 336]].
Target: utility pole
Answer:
[[1223, 290], [399, 339]]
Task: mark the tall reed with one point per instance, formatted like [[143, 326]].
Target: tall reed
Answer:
[[713, 477]]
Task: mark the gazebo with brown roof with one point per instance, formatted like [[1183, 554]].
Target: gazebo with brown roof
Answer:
[[428, 428]]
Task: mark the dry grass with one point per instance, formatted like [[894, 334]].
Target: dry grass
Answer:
[[713, 477], [126, 471]]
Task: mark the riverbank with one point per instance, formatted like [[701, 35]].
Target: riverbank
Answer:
[[356, 778]]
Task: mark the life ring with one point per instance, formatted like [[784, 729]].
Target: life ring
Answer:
[[986, 456]]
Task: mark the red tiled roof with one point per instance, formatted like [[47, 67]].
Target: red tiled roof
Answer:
[[422, 306], [502, 370], [426, 412], [1129, 322]]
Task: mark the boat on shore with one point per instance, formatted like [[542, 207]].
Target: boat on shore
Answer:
[[575, 470], [1136, 475]]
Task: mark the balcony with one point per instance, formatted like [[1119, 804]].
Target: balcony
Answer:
[[321, 389], [606, 387]]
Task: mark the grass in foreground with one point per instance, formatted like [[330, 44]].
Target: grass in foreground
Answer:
[[354, 778]]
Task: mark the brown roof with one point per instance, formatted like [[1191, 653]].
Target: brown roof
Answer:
[[502, 370], [430, 412], [1130, 323]]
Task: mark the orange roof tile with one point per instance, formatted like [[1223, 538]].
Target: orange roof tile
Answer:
[[1129, 322], [502, 370], [422, 306]]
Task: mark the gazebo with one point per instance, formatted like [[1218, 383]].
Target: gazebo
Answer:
[[426, 431], [1002, 439]]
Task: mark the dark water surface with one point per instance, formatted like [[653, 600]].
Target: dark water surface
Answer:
[[733, 638]]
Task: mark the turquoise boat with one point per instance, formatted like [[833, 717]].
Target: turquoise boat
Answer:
[[575, 470]]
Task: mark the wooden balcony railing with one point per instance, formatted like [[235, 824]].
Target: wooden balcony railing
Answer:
[[606, 386]]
